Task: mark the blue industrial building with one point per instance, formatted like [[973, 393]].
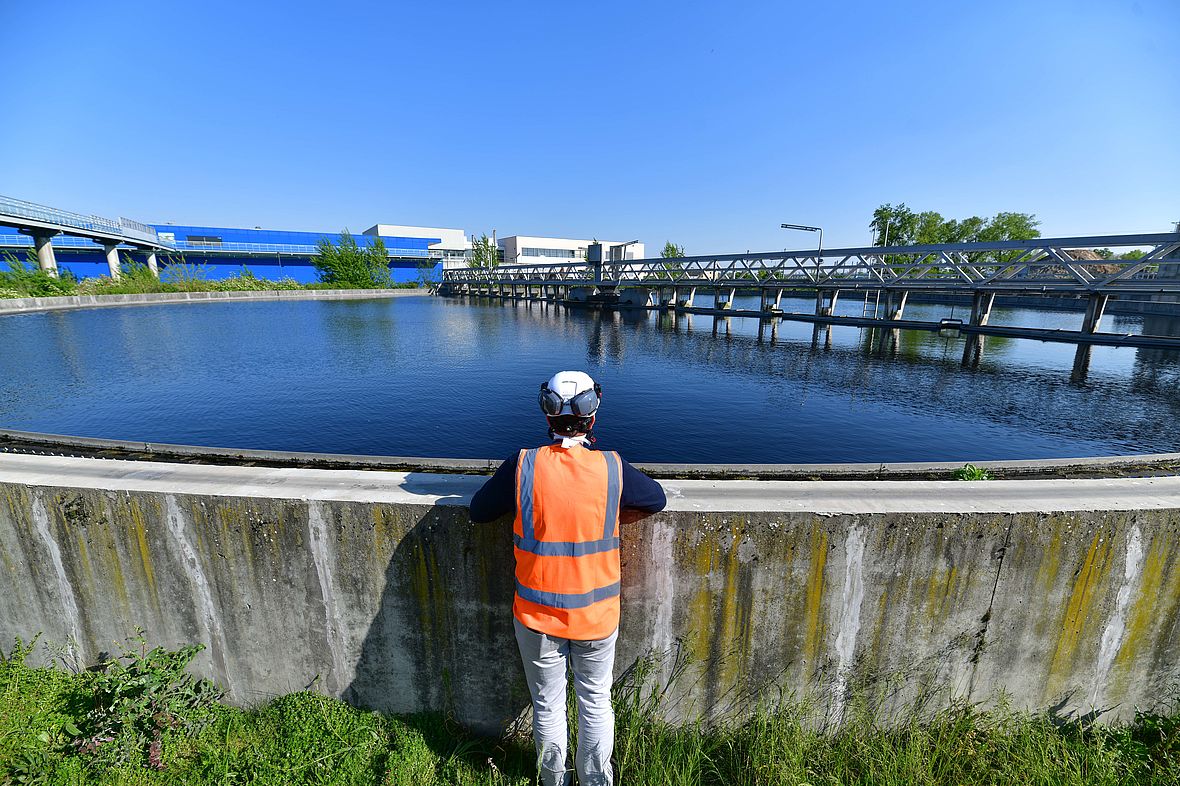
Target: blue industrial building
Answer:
[[222, 252]]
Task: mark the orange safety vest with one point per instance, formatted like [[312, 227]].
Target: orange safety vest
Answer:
[[566, 537]]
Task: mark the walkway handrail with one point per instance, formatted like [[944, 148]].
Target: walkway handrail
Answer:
[[121, 227]]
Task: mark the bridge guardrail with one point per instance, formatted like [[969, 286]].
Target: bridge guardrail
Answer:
[[122, 227], [16, 240], [31, 210]]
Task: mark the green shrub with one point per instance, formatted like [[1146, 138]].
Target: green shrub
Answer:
[[134, 278], [141, 699], [246, 281], [184, 276], [348, 265], [971, 472], [25, 277]]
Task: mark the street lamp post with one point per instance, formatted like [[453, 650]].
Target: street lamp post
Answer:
[[805, 228]]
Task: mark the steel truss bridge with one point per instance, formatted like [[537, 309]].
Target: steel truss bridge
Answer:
[[1040, 267], [1017, 266]]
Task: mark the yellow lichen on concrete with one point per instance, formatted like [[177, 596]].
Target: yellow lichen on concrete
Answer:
[[700, 621], [1050, 562], [139, 525], [812, 623], [1079, 608], [939, 589], [736, 618]]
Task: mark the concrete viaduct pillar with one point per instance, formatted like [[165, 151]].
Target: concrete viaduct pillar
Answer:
[[152, 263], [112, 255], [42, 243]]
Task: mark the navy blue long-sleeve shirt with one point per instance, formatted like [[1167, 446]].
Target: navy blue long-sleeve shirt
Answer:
[[498, 495]]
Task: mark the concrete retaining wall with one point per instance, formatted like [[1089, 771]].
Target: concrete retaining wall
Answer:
[[1061, 592], [28, 304]]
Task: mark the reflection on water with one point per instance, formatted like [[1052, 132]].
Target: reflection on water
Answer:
[[438, 377]]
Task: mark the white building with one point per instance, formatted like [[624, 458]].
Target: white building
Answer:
[[527, 250], [452, 245]]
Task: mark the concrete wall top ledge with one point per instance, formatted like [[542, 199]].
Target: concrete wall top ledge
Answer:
[[28, 305], [705, 496], [1100, 466]]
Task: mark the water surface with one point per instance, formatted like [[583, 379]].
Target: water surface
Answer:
[[424, 376]]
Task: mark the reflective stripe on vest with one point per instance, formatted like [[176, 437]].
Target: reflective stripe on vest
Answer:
[[564, 600], [526, 539]]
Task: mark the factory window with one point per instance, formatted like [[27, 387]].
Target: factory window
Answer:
[[204, 240], [560, 253]]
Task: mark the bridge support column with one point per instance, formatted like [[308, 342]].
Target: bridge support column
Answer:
[[896, 305], [1094, 313], [152, 263], [729, 295], [45, 258], [981, 307], [685, 302], [825, 302], [112, 255]]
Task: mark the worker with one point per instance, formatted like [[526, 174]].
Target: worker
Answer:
[[567, 498]]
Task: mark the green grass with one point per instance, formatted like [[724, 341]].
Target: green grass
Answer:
[[305, 738]]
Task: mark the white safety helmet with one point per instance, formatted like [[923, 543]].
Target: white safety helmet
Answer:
[[570, 393]]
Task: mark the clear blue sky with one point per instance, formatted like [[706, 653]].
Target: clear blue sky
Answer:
[[704, 123]]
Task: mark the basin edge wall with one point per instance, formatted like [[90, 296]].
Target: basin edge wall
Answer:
[[376, 587]]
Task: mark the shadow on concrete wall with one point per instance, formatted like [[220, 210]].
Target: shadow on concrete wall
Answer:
[[442, 638]]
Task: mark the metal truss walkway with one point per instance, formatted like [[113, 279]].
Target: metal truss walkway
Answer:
[[1040, 267], [1018, 266]]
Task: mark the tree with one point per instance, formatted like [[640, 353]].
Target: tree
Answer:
[[1010, 226], [671, 250], [484, 253], [896, 226], [348, 265], [900, 226], [427, 275]]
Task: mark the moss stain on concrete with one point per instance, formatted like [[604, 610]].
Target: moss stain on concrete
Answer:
[[813, 623], [139, 526], [1079, 608]]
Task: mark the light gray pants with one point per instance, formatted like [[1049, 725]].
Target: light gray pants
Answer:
[[545, 661]]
